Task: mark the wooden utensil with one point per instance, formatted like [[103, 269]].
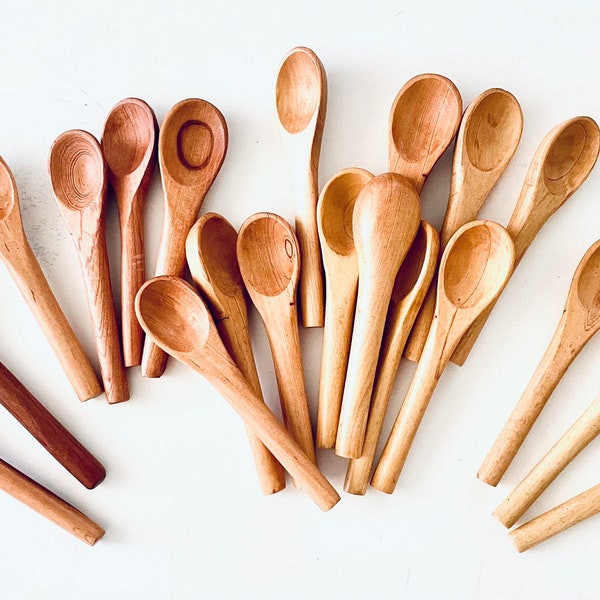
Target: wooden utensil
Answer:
[[334, 220], [176, 318], [191, 149], [475, 267], [487, 140], [410, 287], [49, 505], [78, 177], [21, 263], [560, 165], [269, 261], [301, 98], [211, 256], [385, 222], [579, 321], [129, 147]]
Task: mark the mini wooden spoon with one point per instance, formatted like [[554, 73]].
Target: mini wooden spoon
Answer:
[[21, 263], [78, 178], [301, 97], [211, 256], [129, 146], [174, 315], [191, 149], [487, 140], [385, 222], [579, 321], [334, 219], [475, 267], [560, 165], [269, 261]]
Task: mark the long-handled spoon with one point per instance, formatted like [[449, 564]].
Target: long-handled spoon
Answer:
[[560, 165], [78, 177], [301, 98], [579, 321], [211, 257], [385, 222], [334, 219], [410, 287], [475, 267], [21, 263], [487, 140], [176, 318], [191, 149], [269, 261], [129, 146]]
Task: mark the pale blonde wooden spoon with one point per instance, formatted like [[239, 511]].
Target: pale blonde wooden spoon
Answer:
[[24, 268], [269, 261], [211, 256], [78, 175], [301, 98], [191, 149], [129, 147], [334, 219], [177, 319], [475, 267]]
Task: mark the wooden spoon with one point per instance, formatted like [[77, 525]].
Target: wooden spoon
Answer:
[[269, 261], [21, 263], [129, 147], [579, 321], [475, 267], [334, 219], [211, 256], [560, 165], [412, 281], [176, 318], [78, 177], [487, 140], [191, 149], [301, 98], [385, 222]]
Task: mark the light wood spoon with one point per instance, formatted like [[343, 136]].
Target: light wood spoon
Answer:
[[385, 222], [211, 256], [191, 149], [301, 98], [24, 268], [487, 140], [334, 219], [269, 261], [129, 147], [560, 165], [412, 281], [173, 314], [579, 321], [78, 175], [475, 267]]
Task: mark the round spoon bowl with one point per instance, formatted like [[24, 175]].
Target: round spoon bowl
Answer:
[[588, 286], [7, 190], [411, 266]]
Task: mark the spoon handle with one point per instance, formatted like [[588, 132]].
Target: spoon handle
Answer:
[[49, 505]]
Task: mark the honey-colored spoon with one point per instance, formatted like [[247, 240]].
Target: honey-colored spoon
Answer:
[[191, 149], [177, 319], [129, 147], [301, 98], [385, 222], [334, 219], [269, 261], [23, 266], [78, 177], [560, 165], [475, 267], [211, 256], [579, 321]]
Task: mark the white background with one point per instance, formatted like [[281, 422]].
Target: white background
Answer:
[[181, 505]]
